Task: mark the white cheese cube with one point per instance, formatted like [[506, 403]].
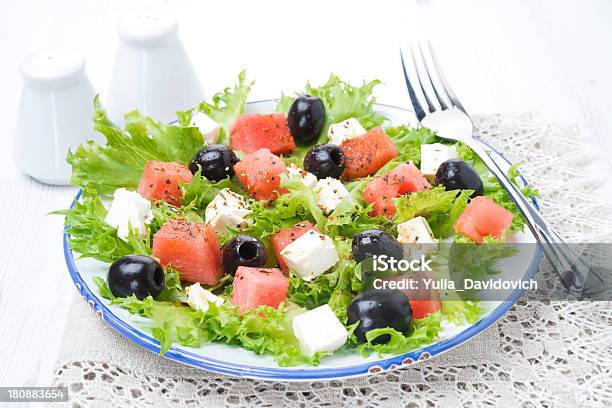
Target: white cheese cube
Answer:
[[227, 208], [198, 297], [310, 255], [433, 155], [208, 127], [330, 192], [308, 179], [345, 130], [416, 237], [129, 209], [319, 330]]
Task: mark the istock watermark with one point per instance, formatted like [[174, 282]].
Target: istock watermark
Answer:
[[384, 263]]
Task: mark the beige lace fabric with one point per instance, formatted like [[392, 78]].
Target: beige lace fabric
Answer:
[[555, 354]]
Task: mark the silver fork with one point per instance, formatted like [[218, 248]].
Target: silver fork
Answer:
[[445, 115]]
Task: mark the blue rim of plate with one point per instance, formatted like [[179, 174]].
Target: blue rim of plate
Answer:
[[292, 374]]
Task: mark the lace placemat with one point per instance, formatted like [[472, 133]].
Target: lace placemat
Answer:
[[540, 354]]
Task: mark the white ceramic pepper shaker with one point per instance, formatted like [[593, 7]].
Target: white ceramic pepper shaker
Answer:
[[152, 71], [55, 113]]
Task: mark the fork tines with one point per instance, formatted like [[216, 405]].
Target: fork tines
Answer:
[[428, 80]]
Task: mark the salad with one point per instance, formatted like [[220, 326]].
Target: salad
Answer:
[[254, 229]]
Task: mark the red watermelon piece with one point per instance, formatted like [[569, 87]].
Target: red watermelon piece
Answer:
[[286, 236], [367, 153], [422, 308], [254, 287], [160, 181], [259, 172], [380, 194], [483, 218], [408, 178], [193, 249], [258, 131], [380, 191]]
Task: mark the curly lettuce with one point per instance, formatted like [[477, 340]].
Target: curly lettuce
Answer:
[[440, 207], [91, 237], [352, 215], [263, 330], [225, 107], [297, 205], [121, 160]]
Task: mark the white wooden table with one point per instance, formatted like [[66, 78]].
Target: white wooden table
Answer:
[[552, 56]]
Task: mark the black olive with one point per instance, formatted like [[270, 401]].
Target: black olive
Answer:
[[378, 309], [455, 174], [306, 118], [243, 250], [136, 275], [372, 242], [325, 161], [216, 161]]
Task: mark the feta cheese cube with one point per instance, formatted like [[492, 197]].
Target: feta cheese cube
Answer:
[[319, 330], [227, 208], [198, 297], [129, 209], [433, 155], [308, 179], [330, 192], [416, 237], [345, 130], [310, 255], [208, 127]]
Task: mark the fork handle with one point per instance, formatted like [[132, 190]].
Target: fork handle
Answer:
[[576, 276]]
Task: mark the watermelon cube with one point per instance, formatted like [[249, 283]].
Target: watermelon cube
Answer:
[[380, 191], [254, 287], [408, 178], [482, 218], [160, 181], [367, 153], [286, 236], [192, 248], [250, 133], [259, 172], [380, 194]]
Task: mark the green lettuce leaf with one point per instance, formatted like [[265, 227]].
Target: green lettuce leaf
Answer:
[[440, 207], [91, 237], [263, 330], [121, 161], [298, 204], [225, 107], [461, 311], [352, 214], [333, 288], [173, 290], [201, 191]]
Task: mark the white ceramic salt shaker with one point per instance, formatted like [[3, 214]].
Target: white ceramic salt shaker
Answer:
[[152, 71], [55, 113]]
